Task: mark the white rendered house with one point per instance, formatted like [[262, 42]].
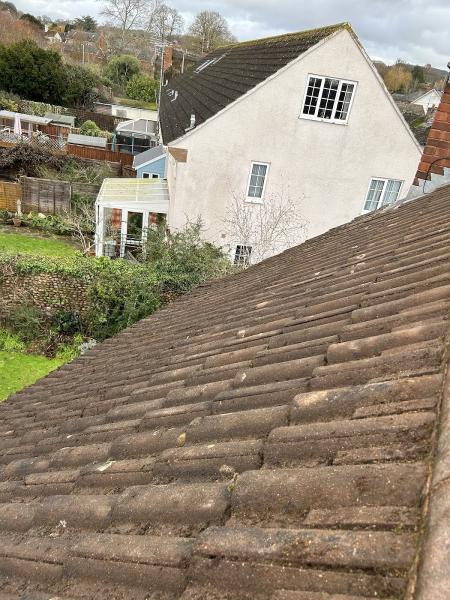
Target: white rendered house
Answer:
[[303, 119], [428, 100]]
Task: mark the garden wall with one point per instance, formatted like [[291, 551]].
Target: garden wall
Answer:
[[49, 292]]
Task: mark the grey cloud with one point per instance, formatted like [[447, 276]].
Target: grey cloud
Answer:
[[415, 30]]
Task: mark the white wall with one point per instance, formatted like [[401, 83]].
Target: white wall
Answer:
[[428, 100], [326, 167]]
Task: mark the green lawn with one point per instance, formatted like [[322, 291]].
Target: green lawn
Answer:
[[20, 370], [25, 241]]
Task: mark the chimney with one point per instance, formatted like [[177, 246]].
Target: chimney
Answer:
[[168, 58], [436, 154]]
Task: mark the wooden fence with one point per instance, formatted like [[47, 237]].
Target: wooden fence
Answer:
[[99, 154], [45, 196], [9, 194]]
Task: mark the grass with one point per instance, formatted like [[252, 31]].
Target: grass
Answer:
[[137, 103], [20, 370], [24, 241]]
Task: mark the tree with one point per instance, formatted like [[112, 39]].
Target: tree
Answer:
[[32, 19], [211, 30], [86, 23], [418, 75], [8, 6], [142, 87], [32, 72], [81, 84], [398, 79], [269, 227], [120, 69], [13, 29], [164, 21], [124, 14]]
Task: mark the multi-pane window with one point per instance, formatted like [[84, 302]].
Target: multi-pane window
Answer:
[[257, 180], [328, 99], [382, 192], [242, 255]]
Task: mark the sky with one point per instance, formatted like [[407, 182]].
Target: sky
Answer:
[[416, 31]]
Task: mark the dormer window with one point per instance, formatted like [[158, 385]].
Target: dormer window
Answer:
[[328, 99]]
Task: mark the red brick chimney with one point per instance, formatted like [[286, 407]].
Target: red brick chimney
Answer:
[[168, 57], [436, 154]]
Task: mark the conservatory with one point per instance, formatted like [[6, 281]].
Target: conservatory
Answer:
[[125, 210]]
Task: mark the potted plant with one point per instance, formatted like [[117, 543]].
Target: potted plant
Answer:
[[17, 220]]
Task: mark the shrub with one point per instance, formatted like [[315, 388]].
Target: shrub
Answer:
[[120, 69], [183, 260], [9, 342], [27, 322], [142, 87], [91, 128], [8, 104]]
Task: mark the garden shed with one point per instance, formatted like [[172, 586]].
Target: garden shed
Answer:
[[87, 140], [125, 209]]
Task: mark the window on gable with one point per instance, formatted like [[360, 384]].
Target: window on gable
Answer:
[[382, 192], [257, 181], [150, 175], [328, 99], [242, 255]]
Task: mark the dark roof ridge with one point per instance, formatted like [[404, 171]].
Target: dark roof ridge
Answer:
[[288, 36]]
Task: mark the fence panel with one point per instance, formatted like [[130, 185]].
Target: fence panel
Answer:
[[9, 194], [45, 195], [85, 189], [99, 154]]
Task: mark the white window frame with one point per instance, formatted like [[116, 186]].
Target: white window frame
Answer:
[[385, 180], [150, 176], [254, 199], [245, 263], [332, 119]]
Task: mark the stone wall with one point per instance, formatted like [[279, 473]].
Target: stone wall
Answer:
[[47, 291]]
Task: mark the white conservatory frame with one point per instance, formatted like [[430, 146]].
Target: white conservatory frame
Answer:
[[144, 196]]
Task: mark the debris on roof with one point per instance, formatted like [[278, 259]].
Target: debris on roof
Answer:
[[228, 73], [269, 436]]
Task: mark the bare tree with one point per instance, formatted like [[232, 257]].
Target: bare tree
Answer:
[[164, 21], [124, 14], [81, 223], [267, 227], [211, 30]]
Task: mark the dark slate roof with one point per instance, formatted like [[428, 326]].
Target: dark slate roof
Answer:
[[148, 155], [238, 69], [269, 436]]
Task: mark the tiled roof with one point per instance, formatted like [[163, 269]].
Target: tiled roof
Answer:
[[268, 436], [235, 71], [436, 154]]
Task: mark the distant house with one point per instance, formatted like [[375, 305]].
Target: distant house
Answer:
[[303, 118], [428, 100], [151, 164]]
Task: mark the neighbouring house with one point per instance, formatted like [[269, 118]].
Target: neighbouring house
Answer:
[[126, 112], [285, 121], [280, 434], [125, 210], [136, 136], [434, 168], [428, 100], [151, 164]]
